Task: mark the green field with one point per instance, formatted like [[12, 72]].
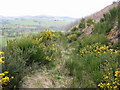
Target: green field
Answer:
[[42, 22]]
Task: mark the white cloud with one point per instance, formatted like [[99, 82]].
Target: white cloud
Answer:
[[73, 8]]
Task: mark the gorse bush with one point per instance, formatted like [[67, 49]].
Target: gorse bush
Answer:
[[35, 48], [22, 43], [74, 29], [102, 28], [15, 63], [82, 25], [93, 61], [89, 21], [22, 53], [4, 78]]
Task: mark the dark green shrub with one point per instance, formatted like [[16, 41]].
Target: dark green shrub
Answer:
[[111, 17], [107, 16], [22, 43], [89, 21], [102, 20], [113, 14], [74, 29], [102, 28], [14, 63], [118, 17], [82, 25]]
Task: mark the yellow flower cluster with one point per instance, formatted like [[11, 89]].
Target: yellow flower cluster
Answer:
[[45, 35], [96, 49], [37, 40], [1, 61], [111, 81], [50, 49], [45, 42], [3, 78], [48, 58], [117, 73], [72, 35], [1, 53], [48, 34]]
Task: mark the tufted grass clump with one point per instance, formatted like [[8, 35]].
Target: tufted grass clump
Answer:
[[94, 38]]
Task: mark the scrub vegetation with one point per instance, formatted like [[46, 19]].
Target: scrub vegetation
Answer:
[[66, 60]]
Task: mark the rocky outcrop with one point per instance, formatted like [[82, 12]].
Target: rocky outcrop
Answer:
[[113, 35]]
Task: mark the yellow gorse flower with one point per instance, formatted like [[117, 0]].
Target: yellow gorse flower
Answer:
[[106, 77], [2, 74], [48, 58], [6, 72], [72, 35], [1, 61], [117, 73], [1, 53], [111, 83], [3, 78], [2, 57], [96, 49]]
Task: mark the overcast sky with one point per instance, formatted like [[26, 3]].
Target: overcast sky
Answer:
[[71, 8]]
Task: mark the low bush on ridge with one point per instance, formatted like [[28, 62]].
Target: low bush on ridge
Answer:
[[21, 53]]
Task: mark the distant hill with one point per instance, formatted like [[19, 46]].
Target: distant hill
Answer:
[[53, 18]]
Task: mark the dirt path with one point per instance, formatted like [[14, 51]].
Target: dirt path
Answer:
[[55, 78]]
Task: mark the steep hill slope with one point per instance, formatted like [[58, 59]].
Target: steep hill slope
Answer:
[[98, 15], [106, 18]]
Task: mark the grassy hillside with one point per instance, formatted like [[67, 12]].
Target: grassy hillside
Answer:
[[84, 57]]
